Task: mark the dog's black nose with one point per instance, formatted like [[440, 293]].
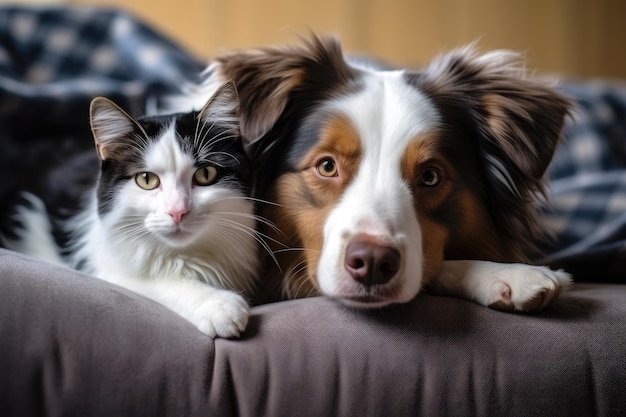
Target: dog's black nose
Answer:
[[370, 262]]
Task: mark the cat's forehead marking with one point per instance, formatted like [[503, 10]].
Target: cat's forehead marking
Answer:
[[165, 154]]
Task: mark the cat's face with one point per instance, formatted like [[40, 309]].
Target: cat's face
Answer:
[[174, 178]]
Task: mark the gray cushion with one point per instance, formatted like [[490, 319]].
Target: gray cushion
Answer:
[[74, 345]]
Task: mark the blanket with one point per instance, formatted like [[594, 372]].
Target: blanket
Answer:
[[588, 185], [53, 61]]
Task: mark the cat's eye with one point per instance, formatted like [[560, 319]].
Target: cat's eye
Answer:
[[205, 176], [431, 177], [327, 167], [147, 180]]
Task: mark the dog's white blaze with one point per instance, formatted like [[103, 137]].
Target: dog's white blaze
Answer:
[[387, 115]]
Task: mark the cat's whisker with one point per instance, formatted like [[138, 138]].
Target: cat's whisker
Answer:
[[198, 131], [299, 277], [262, 201], [145, 138], [293, 249], [202, 136], [140, 143], [227, 154], [222, 136], [125, 234], [203, 133], [255, 217], [258, 236], [260, 219], [215, 142], [254, 199], [206, 150]]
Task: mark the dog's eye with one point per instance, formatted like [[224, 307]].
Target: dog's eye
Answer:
[[205, 176], [327, 167], [430, 177], [147, 180]]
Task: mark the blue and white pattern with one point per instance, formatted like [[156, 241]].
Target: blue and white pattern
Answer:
[[59, 58], [588, 185], [53, 61]]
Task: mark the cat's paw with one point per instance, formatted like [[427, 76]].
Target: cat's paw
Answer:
[[224, 314], [519, 287]]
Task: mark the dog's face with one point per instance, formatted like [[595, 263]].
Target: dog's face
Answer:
[[378, 176], [361, 192]]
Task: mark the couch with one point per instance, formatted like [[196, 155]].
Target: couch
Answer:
[[71, 344], [76, 345]]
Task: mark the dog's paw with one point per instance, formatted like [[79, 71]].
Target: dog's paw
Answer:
[[519, 287], [224, 314]]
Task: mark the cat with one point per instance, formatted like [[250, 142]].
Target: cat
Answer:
[[170, 216]]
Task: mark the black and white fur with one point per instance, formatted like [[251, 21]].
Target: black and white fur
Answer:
[[189, 240]]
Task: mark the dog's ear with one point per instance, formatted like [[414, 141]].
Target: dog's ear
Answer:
[[264, 79], [267, 79], [520, 119], [516, 121]]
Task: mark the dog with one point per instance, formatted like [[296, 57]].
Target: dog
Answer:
[[381, 182]]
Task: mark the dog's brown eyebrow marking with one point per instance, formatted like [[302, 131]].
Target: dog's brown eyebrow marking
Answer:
[[424, 147], [338, 138]]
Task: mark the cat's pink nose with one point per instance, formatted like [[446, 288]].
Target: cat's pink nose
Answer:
[[177, 214]]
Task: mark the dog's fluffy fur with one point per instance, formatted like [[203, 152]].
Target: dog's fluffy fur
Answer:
[[382, 182]]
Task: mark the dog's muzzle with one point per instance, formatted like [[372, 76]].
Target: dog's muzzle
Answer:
[[370, 262]]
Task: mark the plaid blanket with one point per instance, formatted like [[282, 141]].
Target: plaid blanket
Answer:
[[54, 60], [588, 185]]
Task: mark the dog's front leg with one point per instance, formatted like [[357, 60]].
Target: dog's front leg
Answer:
[[501, 286]]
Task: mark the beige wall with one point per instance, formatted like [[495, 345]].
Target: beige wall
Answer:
[[574, 37]]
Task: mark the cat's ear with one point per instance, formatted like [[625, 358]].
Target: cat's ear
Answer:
[[110, 125], [223, 109]]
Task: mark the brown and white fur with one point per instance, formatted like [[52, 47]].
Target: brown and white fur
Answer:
[[387, 181]]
